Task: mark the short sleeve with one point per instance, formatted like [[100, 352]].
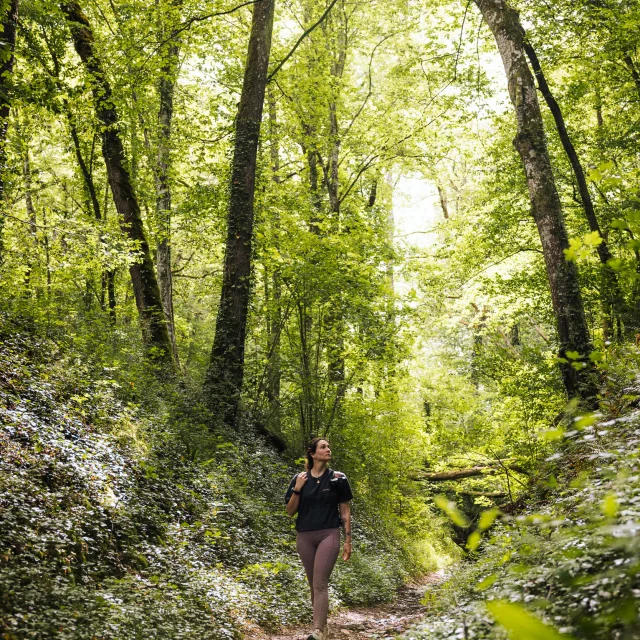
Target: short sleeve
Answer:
[[292, 484], [344, 489]]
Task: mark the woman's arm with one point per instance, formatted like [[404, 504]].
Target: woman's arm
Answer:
[[294, 500], [345, 514]]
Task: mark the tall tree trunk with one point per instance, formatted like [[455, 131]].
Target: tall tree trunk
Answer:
[[29, 207], [108, 275], [166, 91], [628, 60], [7, 57], [275, 319], [226, 368], [335, 318], [443, 201], [530, 141], [143, 277], [612, 298]]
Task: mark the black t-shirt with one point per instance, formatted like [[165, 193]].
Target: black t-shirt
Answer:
[[319, 500]]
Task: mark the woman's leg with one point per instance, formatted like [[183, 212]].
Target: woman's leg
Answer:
[[307, 544], [325, 559]]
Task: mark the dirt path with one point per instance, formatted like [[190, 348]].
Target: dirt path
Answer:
[[384, 621]]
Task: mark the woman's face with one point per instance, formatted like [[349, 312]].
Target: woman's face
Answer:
[[323, 452]]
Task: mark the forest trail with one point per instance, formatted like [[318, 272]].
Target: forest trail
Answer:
[[366, 623]]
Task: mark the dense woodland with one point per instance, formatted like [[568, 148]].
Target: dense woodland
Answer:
[[201, 268]]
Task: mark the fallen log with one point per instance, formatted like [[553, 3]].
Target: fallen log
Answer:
[[485, 494], [459, 474]]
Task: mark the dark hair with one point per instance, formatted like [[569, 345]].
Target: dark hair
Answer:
[[311, 448]]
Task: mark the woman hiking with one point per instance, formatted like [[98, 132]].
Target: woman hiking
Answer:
[[320, 496]]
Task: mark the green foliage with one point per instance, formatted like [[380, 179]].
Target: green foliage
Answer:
[[109, 529], [568, 565]]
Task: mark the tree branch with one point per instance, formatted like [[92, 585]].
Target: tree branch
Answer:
[[299, 42]]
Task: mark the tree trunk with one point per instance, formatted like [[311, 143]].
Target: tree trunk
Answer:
[[628, 60], [7, 48], [108, 275], [530, 141], [274, 305], [226, 368], [166, 91], [165, 278], [443, 202], [145, 283], [611, 295], [30, 209]]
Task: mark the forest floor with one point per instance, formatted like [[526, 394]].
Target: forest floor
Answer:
[[360, 623]]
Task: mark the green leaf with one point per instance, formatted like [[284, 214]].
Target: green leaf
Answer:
[[473, 541], [573, 355], [619, 224], [592, 239], [484, 584], [595, 175], [584, 421], [573, 252], [610, 506], [520, 624], [450, 508], [553, 434], [487, 518], [596, 356]]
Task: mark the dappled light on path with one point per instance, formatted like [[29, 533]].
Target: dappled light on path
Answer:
[[383, 621]]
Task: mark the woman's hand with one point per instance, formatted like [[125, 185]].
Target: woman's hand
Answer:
[[301, 480], [346, 551]]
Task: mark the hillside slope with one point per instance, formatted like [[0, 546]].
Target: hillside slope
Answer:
[[107, 532]]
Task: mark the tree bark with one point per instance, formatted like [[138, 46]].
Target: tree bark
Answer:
[[471, 472], [443, 202], [7, 58], [530, 142], [628, 60], [166, 91], [611, 295], [226, 368], [143, 277], [108, 275], [274, 294]]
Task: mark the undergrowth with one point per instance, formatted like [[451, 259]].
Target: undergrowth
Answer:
[[568, 564], [110, 528]]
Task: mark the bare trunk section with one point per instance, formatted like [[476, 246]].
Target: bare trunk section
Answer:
[[7, 48], [143, 277], [443, 202], [612, 298], [107, 280], [226, 368], [628, 60], [166, 91], [275, 319], [29, 207], [530, 141], [335, 318]]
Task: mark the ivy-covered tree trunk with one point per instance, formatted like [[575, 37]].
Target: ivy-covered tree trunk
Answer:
[[611, 295], [226, 368], [143, 277], [7, 48], [273, 294], [635, 74], [530, 142], [166, 90]]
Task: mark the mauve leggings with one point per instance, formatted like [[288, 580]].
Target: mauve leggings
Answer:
[[318, 551]]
